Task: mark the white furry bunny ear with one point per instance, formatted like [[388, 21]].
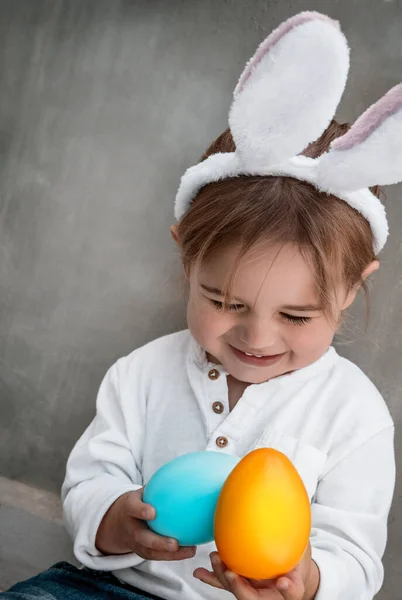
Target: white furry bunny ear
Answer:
[[289, 91], [370, 153], [285, 99]]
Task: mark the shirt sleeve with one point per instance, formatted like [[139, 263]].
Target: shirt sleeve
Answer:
[[102, 467], [349, 520]]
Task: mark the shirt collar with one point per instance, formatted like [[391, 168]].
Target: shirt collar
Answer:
[[198, 355]]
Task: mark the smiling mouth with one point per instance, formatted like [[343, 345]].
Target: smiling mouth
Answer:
[[262, 359]]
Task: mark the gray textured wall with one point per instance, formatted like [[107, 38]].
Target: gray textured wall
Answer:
[[103, 104]]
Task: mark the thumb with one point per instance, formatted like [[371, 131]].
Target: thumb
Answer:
[[291, 586]]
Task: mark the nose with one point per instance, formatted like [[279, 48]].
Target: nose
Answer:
[[258, 335]]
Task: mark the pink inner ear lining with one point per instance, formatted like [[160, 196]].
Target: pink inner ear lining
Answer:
[[371, 119], [275, 37]]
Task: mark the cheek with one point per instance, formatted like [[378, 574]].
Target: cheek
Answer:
[[315, 336], [205, 322]]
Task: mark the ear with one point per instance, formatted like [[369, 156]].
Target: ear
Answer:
[[175, 235], [369, 270], [370, 153], [289, 90]]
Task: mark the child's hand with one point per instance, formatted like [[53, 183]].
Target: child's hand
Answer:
[[299, 584], [123, 530]]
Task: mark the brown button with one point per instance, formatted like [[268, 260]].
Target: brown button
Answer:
[[213, 374], [221, 441], [218, 408]]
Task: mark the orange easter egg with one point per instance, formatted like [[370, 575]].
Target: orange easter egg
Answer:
[[263, 516]]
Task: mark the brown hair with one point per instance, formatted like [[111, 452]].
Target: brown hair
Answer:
[[253, 210]]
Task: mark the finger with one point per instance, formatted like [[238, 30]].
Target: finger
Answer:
[[138, 509], [291, 587], [263, 584], [219, 569], [208, 577], [181, 554], [153, 541], [242, 589]]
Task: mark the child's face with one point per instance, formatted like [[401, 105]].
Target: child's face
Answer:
[[276, 313]]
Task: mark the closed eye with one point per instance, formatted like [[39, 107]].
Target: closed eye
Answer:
[[296, 320], [228, 307]]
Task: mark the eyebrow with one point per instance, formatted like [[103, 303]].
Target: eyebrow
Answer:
[[292, 307]]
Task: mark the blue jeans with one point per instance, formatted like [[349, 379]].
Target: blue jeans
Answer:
[[65, 582]]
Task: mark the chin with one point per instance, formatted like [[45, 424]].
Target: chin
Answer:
[[252, 375]]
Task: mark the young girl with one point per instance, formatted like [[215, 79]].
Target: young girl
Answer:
[[277, 234]]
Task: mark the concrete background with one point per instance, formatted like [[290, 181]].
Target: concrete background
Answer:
[[104, 103]]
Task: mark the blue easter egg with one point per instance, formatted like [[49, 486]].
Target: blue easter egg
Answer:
[[184, 493]]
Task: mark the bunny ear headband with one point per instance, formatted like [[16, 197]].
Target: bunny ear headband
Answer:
[[285, 99]]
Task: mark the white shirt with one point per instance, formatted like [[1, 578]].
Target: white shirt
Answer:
[[328, 418]]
